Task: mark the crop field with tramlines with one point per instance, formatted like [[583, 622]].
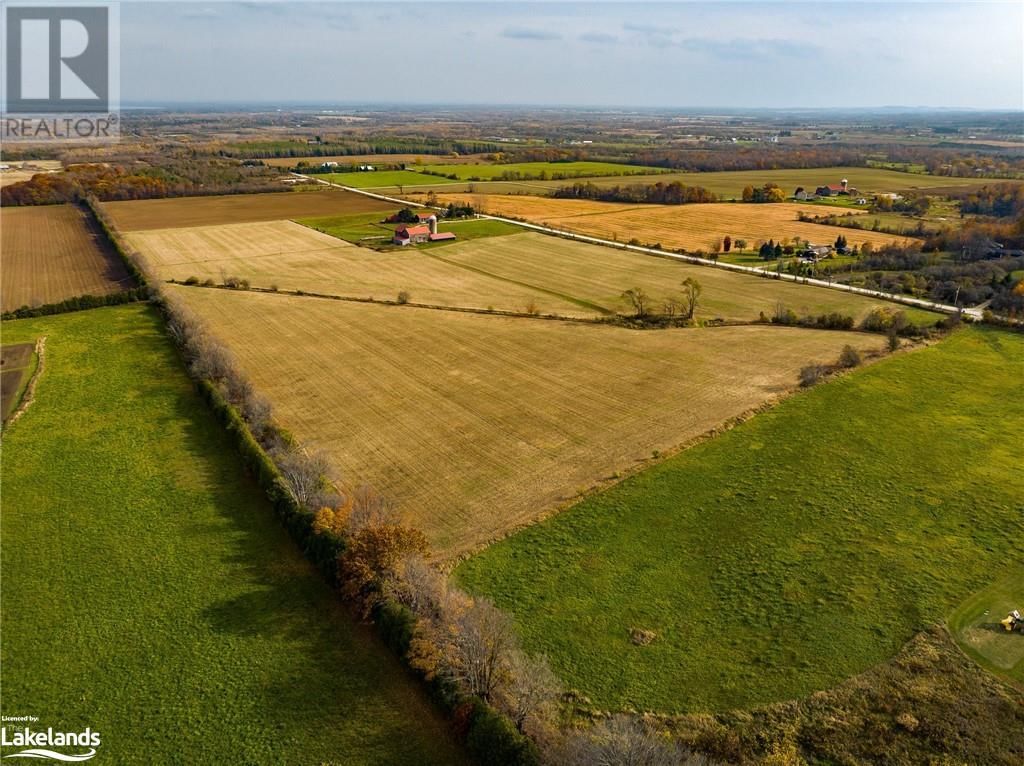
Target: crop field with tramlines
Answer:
[[479, 424], [51, 253], [287, 256], [138, 215], [693, 227], [597, 275]]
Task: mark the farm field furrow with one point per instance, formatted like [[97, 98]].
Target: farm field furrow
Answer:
[[478, 424], [289, 256], [136, 215], [150, 592], [51, 253], [798, 549], [600, 274], [693, 227]]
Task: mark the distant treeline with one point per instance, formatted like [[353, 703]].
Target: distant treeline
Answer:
[[761, 157], [956, 163], [674, 193], [332, 148], [998, 200], [176, 178]]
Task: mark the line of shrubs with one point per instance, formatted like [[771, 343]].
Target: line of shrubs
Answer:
[[361, 552], [78, 303]]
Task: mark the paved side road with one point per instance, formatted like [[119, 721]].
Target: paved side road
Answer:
[[974, 313]]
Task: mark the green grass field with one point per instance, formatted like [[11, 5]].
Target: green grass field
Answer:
[[796, 550], [352, 228], [149, 592], [538, 170], [383, 178]]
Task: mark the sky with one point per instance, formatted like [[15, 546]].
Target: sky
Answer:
[[691, 54]]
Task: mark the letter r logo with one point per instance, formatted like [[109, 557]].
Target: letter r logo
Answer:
[[57, 59]]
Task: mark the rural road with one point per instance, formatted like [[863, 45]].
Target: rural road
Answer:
[[973, 313]]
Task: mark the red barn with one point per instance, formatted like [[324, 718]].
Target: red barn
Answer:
[[411, 235]]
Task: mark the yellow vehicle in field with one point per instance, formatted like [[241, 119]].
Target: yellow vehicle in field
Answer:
[[1014, 621]]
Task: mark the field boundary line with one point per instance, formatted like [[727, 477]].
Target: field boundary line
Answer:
[[410, 304], [611, 320], [29, 394], [973, 313]]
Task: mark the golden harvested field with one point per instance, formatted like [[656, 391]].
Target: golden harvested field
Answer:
[[51, 253], [673, 226], [478, 424], [139, 215], [599, 275], [293, 257]]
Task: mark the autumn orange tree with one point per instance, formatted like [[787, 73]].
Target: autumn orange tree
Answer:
[[369, 566]]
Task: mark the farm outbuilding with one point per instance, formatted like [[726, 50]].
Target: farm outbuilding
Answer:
[[411, 235]]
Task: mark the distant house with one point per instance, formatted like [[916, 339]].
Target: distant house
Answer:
[[411, 235], [329, 164], [862, 201], [801, 194], [816, 252], [367, 168], [425, 217]]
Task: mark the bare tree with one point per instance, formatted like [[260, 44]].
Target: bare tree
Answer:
[[638, 299], [479, 646], [532, 691], [623, 741], [691, 294], [210, 360], [307, 476], [422, 587]]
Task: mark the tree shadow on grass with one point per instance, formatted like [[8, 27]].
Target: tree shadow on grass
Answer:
[[324, 666]]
